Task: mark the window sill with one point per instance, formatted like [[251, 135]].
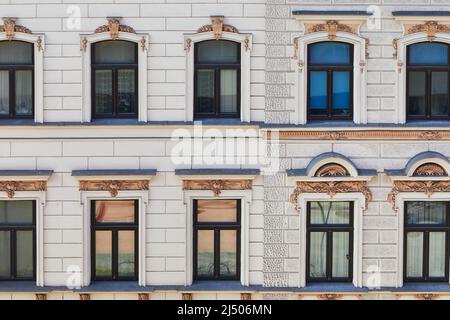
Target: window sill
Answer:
[[423, 287]]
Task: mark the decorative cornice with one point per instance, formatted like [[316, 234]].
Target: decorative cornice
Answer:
[[427, 187], [246, 296], [113, 187], [429, 27], [186, 296], [427, 296], [11, 187], [143, 296], [364, 135], [10, 28], [330, 296], [331, 188], [41, 296], [332, 170], [114, 27], [331, 27], [430, 170], [218, 27], [85, 296], [217, 186]]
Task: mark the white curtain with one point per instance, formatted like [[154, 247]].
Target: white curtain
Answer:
[[228, 91], [330, 212], [318, 255], [24, 92], [437, 255], [5, 254], [414, 252], [4, 92], [341, 245]]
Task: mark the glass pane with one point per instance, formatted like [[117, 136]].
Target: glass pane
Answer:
[[115, 211], [341, 255], [417, 93], [127, 253], [4, 92], [341, 92], [439, 94], [205, 91], [217, 211], [437, 255], [414, 255], [103, 91], [16, 212], [330, 212], [228, 253], [25, 263], [5, 254], [330, 53], [103, 253], [205, 252], [318, 91], [428, 53], [24, 92], [127, 91], [115, 52], [218, 52], [427, 213], [228, 91], [16, 52], [318, 255]]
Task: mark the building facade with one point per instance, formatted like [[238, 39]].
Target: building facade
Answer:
[[265, 149]]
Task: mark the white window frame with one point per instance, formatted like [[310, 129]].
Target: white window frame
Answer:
[[245, 41], [86, 199], [400, 203], [246, 198], [40, 199], [359, 74], [38, 41], [86, 42], [402, 45], [359, 207]]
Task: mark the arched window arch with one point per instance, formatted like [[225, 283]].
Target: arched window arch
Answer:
[[16, 79], [115, 79], [330, 81], [217, 79], [428, 72]]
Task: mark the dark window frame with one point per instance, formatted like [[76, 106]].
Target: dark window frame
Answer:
[[330, 229], [426, 229], [114, 68], [217, 67], [12, 68], [217, 227], [428, 69], [330, 69], [114, 228], [13, 228]]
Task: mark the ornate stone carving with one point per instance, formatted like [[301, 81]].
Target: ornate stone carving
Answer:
[[427, 296], [246, 296], [188, 44], [295, 46], [301, 65], [427, 187], [218, 27], [186, 296], [217, 186], [247, 43], [430, 170], [113, 187], [114, 27], [395, 47], [331, 296], [143, 44], [85, 296], [11, 187], [41, 296], [364, 135], [366, 44], [143, 296], [39, 43], [331, 27], [331, 188], [10, 28], [430, 28], [332, 170]]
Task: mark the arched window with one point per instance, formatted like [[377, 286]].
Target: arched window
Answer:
[[217, 79], [428, 68], [16, 79], [115, 79], [330, 81]]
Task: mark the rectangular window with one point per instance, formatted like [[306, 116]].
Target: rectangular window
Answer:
[[114, 240], [329, 241], [217, 228], [426, 241], [17, 240]]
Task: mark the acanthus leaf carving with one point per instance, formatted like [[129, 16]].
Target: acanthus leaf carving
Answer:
[[332, 170], [430, 28], [114, 186], [114, 27], [217, 186], [430, 170], [11, 187], [331, 27], [10, 28], [218, 27]]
